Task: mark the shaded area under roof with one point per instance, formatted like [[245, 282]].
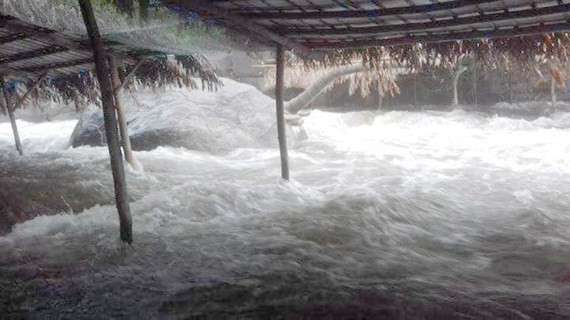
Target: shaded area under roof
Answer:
[[336, 24], [306, 25]]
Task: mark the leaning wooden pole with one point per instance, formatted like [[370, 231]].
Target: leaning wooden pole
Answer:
[[126, 141], [103, 75], [10, 112], [281, 129]]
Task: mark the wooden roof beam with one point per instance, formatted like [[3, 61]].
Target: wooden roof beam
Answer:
[[379, 13], [470, 35], [15, 74], [32, 54], [57, 65], [437, 24], [51, 37], [13, 37], [41, 34], [279, 7]]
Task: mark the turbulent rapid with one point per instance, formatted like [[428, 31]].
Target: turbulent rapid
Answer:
[[408, 215]]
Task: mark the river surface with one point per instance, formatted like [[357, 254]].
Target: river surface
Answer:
[[394, 215]]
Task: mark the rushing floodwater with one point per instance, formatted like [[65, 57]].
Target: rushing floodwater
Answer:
[[396, 215]]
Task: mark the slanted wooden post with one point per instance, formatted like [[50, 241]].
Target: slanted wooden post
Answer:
[[103, 75], [281, 129], [10, 112], [121, 112]]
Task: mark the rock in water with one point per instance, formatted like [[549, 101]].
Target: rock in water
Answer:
[[236, 116], [90, 129]]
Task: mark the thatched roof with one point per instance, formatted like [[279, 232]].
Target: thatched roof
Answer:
[[329, 24], [324, 32], [63, 61]]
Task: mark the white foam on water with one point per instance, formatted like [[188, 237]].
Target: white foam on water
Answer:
[[457, 210]]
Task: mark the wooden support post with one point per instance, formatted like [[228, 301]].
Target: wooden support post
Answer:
[[510, 79], [103, 75], [475, 80], [380, 98], [553, 96], [281, 129], [415, 89], [474, 92], [121, 113], [10, 112]]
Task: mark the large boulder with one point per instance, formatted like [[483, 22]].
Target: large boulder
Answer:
[[90, 130], [236, 116]]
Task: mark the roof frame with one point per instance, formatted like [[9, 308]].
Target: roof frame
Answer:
[[56, 65], [345, 14], [437, 24], [32, 54], [335, 24], [447, 37], [231, 19]]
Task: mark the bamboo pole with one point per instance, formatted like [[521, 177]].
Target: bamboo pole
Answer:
[[103, 75], [281, 129], [10, 112], [121, 116]]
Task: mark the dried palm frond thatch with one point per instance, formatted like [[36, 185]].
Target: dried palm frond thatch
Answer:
[[83, 88]]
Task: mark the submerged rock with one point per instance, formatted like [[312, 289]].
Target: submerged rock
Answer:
[[236, 116]]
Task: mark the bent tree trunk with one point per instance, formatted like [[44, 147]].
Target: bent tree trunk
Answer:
[[311, 93], [456, 76]]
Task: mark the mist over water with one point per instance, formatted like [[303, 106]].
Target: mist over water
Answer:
[[408, 215]]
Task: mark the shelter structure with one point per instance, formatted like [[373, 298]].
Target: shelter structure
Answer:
[[309, 27], [42, 57], [313, 26]]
